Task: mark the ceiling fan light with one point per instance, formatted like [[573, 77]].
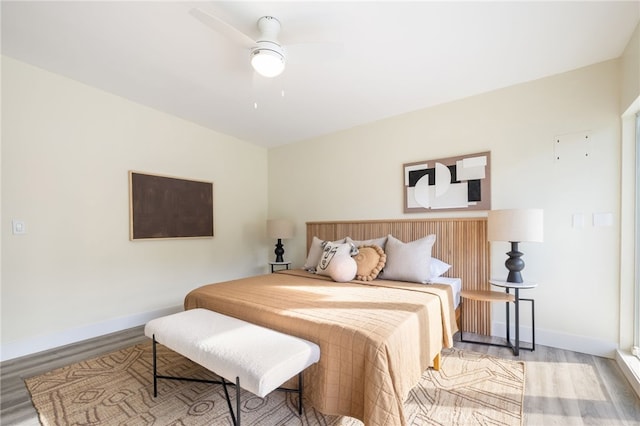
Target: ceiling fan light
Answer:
[[267, 62]]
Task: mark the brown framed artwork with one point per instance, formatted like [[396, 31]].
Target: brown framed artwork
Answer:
[[169, 207], [454, 183]]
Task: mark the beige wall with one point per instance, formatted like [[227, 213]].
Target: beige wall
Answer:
[[357, 174], [66, 152]]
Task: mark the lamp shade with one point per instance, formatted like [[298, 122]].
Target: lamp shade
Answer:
[[279, 228], [516, 225]]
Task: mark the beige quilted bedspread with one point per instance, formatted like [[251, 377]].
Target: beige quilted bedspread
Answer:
[[376, 338]]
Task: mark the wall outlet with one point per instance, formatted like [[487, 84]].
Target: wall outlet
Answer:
[[18, 227]]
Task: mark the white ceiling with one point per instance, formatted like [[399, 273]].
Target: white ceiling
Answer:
[[384, 58]]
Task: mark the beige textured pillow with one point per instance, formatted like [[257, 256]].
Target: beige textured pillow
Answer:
[[408, 261], [370, 261]]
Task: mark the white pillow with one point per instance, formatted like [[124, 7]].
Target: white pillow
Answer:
[[438, 267], [380, 242], [336, 260], [315, 252], [408, 261]]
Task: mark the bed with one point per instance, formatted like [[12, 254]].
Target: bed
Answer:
[[376, 337]]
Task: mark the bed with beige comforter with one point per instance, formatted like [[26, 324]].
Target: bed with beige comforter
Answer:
[[376, 338]]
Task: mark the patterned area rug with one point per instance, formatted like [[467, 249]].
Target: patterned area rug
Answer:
[[117, 388]]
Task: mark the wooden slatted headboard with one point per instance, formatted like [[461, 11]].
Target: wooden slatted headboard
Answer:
[[461, 242]]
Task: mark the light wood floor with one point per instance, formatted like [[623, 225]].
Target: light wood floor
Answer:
[[562, 387]]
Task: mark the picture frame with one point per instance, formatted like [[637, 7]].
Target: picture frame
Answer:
[[455, 183], [163, 206]]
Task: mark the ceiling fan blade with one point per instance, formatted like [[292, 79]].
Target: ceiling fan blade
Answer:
[[223, 27]]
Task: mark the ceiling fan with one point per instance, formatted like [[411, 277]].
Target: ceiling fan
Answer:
[[267, 55]]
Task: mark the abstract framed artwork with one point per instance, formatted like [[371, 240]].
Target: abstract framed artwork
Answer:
[[169, 207], [453, 183]]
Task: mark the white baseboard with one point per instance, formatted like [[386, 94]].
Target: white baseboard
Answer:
[[571, 342], [42, 343]]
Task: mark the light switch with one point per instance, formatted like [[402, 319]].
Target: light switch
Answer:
[[577, 220], [19, 227], [603, 219]]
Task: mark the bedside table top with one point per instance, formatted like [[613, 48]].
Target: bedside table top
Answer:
[[487, 296], [279, 263], [503, 283]]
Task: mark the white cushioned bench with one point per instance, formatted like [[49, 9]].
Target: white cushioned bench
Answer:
[[252, 357]]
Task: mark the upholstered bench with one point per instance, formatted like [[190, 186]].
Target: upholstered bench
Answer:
[[249, 356]]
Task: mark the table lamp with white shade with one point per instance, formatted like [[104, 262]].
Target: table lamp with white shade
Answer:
[[515, 226]]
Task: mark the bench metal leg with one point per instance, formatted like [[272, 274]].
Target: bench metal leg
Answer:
[[238, 400], [300, 393], [155, 370], [223, 382], [234, 417]]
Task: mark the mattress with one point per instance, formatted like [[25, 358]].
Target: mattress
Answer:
[[454, 283]]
